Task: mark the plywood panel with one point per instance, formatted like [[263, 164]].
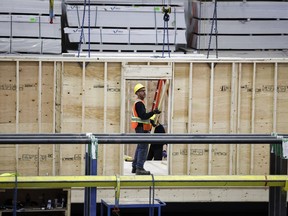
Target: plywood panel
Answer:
[[244, 152], [261, 159], [180, 89], [179, 159], [8, 97], [282, 102], [200, 116], [28, 97], [113, 94], [264, 98], [7, 158], [200, 98], [199, 159], [46, 156], [72, 156], [28, 155], [245, 114], [263, 113], [94, 98], [47, 97], [221, 116], [113, 97], [222, 98], [28, 160], [246, 98], [180, 116]]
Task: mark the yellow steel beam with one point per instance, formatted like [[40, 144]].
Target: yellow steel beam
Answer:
[[138, 181]]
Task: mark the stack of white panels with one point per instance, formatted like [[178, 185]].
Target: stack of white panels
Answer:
[[27, 27], [5, 25], [175, 36], [240, 25], [5, 45], [128, 36], [124, 16], [241, 10], [35, 26], [50, 30], [132, 2], [130, 23], [29, 45], [29, 6], [30, 26]]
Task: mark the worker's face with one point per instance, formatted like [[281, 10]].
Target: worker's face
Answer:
[[141, 93]]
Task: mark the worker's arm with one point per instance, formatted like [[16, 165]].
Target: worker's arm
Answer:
[[141, 110]]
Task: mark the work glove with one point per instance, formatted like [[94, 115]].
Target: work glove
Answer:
[[152, 120], [156, 111], [164, 154]]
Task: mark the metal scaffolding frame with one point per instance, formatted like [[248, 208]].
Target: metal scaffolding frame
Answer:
[[224, 181], [277, 181], [141, 138]]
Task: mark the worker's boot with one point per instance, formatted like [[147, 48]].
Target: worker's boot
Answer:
[[133, 170], [142, 171]]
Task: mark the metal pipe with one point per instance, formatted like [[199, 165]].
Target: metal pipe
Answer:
[[150, 141], [139, 181], [133, 134], [141, 139], [163, 137], [148, 137]]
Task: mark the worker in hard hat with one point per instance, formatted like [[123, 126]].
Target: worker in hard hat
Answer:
[[140, 121]]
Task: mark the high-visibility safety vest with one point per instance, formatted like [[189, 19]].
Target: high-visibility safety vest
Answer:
[[135, 119]]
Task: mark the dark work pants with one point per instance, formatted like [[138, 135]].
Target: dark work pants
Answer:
[[141, 151], [155, 151]]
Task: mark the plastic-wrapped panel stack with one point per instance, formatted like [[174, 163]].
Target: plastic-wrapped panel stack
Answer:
[[126, 25], [241, 25], [25, 27]]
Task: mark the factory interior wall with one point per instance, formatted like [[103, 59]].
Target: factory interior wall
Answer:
[[95, 95]]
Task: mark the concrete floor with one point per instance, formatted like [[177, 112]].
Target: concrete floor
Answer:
[[155, 167]]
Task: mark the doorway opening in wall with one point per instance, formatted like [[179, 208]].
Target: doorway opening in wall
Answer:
[[156, 167]]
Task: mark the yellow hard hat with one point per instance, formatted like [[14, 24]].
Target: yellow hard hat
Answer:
[[137, 87]]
